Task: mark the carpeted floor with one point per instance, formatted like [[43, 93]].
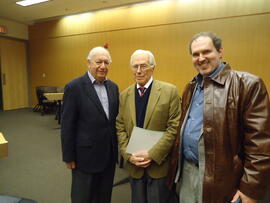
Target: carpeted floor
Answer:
[[34, 167]]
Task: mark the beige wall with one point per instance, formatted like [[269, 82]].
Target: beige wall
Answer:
[[58, 48], [14, 29]]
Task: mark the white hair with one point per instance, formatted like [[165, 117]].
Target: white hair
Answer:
[[95, 50], [152, 60]]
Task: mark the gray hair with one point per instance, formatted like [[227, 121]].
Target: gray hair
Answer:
[[95, 50], [215, 39], [152, 60]]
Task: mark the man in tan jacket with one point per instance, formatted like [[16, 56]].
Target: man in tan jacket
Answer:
[[156, 107]]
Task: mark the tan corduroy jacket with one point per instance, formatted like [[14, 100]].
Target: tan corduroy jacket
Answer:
[[162, 114]]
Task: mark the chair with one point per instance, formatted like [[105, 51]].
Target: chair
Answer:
[[39, 105], [45, 106], [59, 105]]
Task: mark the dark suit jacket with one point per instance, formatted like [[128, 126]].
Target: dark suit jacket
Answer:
[[88, 136]]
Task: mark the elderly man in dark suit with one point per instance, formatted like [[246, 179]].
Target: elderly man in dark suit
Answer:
[[88, 132]]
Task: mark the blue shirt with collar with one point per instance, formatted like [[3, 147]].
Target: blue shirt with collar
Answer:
[[101, 92], [194, 122]]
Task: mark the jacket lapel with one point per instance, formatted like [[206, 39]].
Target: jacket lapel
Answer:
[[153, 99], [111, 98], [188, 99], [132, 107], [92, 94]]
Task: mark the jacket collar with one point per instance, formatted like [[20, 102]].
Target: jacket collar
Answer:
[[220, 78], [92, 94], [223, 75], [152, 101]]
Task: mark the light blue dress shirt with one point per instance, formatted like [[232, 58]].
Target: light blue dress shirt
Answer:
[[194, 122], [101, 92]]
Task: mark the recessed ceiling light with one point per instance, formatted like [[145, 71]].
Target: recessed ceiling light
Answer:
[[30, 2]]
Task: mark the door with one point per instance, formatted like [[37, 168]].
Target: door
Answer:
[[14, 74], [1, 101]]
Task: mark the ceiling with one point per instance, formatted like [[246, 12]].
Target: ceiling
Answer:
[[55, 8]]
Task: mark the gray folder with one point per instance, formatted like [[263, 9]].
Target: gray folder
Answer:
[[142, 139]]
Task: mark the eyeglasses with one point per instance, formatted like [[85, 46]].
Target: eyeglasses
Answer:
[[99, 63], [141, 66]]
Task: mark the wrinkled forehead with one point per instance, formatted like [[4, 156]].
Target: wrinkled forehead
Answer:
[[140, 58], [101, 55]]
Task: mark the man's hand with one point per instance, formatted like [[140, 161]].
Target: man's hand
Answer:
[[71, 165], [140, 159], [243, 197]]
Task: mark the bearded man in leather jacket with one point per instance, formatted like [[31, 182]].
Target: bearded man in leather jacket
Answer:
[[223, 151]]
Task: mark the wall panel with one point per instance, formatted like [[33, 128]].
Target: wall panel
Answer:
[[60, 51]]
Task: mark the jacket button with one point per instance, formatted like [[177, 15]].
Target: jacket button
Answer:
[[208, 130]]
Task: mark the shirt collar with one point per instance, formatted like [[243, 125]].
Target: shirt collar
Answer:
[[199, 78], [217, 71], [93, 80], [147, 84]]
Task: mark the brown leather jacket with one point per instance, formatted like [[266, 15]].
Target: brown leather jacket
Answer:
[[236, 130]]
